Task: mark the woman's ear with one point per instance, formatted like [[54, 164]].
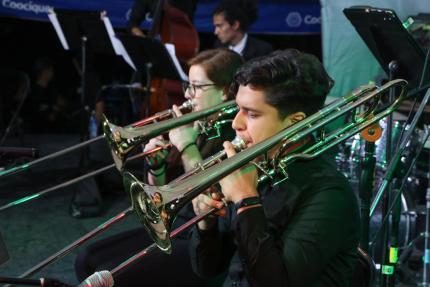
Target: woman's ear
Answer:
[[225, 91]]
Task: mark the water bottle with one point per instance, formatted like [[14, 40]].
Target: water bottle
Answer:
[[92, 125]]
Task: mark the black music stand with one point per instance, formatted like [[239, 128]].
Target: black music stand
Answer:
[[388, 40], [148, 50], [152, 58]]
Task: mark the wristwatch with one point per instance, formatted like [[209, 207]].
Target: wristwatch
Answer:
[[247, 202]]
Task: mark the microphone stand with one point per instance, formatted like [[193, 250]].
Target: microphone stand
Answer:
[[426, 258], [387, 269], [84, 118], [366, 183], [389, 176]]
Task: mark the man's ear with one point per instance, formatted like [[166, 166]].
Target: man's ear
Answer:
[[236, 25], [296, 117]]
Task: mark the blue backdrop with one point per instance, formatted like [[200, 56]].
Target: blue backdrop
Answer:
[[284, 17]]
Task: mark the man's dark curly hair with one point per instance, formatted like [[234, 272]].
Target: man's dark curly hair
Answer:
[[292, 81], [243, 11]]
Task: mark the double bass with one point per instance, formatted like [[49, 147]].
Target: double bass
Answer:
[[173, 26]]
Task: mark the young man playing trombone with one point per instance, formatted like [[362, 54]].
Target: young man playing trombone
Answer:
[[303, 231]]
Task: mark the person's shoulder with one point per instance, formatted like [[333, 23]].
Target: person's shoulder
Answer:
[[320, 171], [217, 44], [259, 42]]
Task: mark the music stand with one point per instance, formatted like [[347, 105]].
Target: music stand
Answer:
[[142, 51], [388, 40], [82, 31], [152, 58]]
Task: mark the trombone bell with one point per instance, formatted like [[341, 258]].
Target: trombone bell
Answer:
[[147, 202]]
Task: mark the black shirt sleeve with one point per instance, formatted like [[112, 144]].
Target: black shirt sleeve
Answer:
[[210, 251]]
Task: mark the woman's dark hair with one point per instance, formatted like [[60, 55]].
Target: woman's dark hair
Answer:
[[220, 65], [292, 81], [243, 11]]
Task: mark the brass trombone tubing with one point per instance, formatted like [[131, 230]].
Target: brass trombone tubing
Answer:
[[160, 115], [154, 118], [69, 248], [74, 180], [175, 196]]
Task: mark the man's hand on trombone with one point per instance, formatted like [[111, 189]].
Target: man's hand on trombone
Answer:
[[240, 184]]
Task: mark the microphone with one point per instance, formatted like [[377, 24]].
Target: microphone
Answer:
[[98, 279], [135, 86]]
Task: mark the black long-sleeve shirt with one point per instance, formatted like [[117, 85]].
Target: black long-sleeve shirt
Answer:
[[306, 234]]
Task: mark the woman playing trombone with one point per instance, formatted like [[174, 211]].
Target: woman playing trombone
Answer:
[[301, 231], [210, 75]]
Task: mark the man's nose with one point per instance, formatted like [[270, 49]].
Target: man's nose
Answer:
[[187, 95], [238, 123]]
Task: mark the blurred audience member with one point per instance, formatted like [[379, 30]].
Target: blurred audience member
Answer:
[[45, 109], [232, 19]]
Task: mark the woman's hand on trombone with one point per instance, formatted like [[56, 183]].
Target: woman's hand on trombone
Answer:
[[183, 136], [157, 159]]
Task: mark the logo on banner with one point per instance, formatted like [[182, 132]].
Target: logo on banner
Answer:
[[294, 19], [26, 6]]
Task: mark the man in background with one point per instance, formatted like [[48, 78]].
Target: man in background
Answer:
[[231, 19]]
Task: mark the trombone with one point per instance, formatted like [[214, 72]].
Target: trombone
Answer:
[[122, 140], [209, 127], [157, 117], [157, 206]]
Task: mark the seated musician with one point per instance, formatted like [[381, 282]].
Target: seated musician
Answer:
[[303, 231], [210, 75]]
